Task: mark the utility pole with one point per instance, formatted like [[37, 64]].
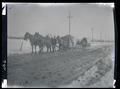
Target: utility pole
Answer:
[[69, 17], [92, 33], [100, 36]]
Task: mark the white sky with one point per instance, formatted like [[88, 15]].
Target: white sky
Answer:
[[53, 19]]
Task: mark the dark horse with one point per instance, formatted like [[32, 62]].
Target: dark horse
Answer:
[[47, 42], [60, 43], [39, 41], [35, 40], [54, 43], [83, 43]]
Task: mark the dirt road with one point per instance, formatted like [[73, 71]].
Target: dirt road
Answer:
[[54, 69]]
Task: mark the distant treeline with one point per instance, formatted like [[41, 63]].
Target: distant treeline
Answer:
[[103, 41], [11, 37]]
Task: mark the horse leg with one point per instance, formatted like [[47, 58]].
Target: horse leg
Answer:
[[59, 47], [52, 49], [35, 48], [32, 48], [39, 49], [47, 49], [55, 48]]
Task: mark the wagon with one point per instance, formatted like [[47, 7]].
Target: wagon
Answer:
[[67, 42], [83, 43]]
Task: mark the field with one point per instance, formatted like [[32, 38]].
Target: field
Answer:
[[90, 67]]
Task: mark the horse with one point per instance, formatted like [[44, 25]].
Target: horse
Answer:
[[83, 43], [78, 43], [54, 43], [30, 37], [48, 43], [39, 41], [59, 42], [35, 40]]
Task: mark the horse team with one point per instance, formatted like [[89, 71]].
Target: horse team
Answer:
[[52, 44]]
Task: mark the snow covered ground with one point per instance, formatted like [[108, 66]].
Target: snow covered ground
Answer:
[[72, 68]]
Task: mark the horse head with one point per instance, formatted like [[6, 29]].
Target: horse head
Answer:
[[26, 36], [54, 37], [58, 39], [37, 35], [47, 37]]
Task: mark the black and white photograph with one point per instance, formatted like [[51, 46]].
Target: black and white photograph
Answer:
[[60, 45]]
